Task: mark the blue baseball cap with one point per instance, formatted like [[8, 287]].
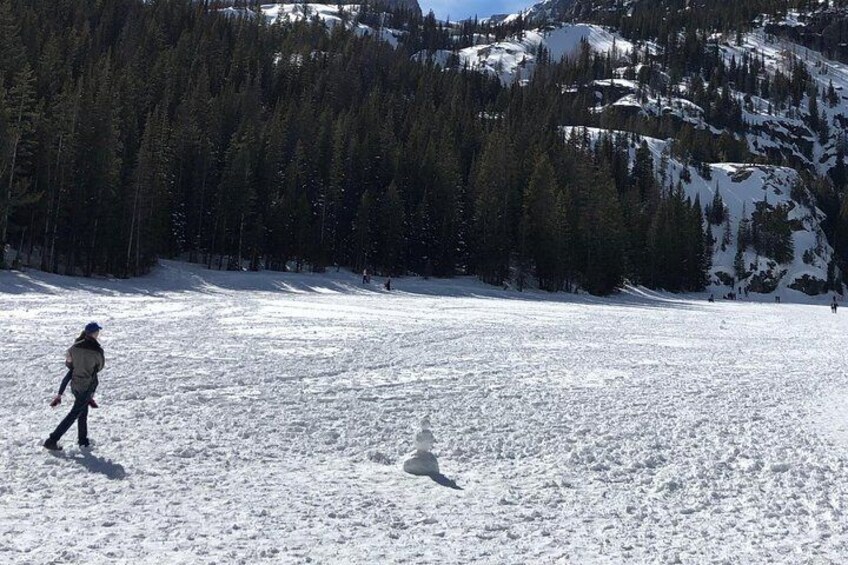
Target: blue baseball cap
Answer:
[[93, 327]]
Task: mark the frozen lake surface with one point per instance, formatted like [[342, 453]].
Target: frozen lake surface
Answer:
[[266, 417]]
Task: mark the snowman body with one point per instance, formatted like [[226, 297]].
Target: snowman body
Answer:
[[422, 462]]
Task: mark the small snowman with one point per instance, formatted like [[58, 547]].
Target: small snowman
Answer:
[[423, 462]]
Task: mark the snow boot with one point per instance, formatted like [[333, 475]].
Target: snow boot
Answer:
[[52, 445]]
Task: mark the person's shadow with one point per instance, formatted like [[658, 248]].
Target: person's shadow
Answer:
[[92, 463]]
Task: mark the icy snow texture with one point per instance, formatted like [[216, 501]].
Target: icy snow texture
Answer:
[[243, 417]]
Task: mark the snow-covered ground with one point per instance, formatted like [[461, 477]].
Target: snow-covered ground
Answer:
[[265, 418]]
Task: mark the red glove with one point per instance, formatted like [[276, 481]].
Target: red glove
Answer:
[[92, 403], [57, 400]]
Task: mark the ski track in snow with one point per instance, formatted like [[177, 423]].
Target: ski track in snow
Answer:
[[265, 417]]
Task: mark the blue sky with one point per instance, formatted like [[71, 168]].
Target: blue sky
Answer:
[[460, 9]]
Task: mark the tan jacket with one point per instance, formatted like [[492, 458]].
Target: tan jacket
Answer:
[[87, 359]]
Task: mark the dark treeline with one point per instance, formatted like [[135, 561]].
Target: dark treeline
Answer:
[[131, 131]]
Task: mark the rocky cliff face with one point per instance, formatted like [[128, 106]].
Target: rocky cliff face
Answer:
[[551, 10], [548, 11]]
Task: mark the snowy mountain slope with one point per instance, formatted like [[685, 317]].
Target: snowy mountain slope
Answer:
[[781, 134], [786, 130], [313, 7], [544, 11], [241, 421], [776, 133], [330, 15], [515, 59], [743, 187], [548, 11], [784, 133], [625, 95]]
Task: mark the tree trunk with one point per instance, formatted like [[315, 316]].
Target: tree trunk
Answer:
[[132, 228]]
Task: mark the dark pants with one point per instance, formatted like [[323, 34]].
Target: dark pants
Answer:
[[78, 414]]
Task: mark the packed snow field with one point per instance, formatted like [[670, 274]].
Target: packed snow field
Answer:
[[266, 417]]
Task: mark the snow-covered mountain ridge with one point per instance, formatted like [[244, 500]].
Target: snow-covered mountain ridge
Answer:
[[330, 15], [516, 58]]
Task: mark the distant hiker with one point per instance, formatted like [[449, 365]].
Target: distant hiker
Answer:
[[711, 298], [388, 284], [86, 359], [366, 278], [777, 299], [834, 305]]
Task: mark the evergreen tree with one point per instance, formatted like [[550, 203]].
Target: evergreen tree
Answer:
[[392, 236], [726, 236], [495, 209], [364, 232], [744, 235], [152, 183], [18, 114], [716, 214], [739, 270], [602, 235], [539, 225]]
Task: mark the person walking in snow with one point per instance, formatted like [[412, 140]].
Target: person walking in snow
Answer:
[[388, 284], [85, 358], [57, 400], [834, 306]]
